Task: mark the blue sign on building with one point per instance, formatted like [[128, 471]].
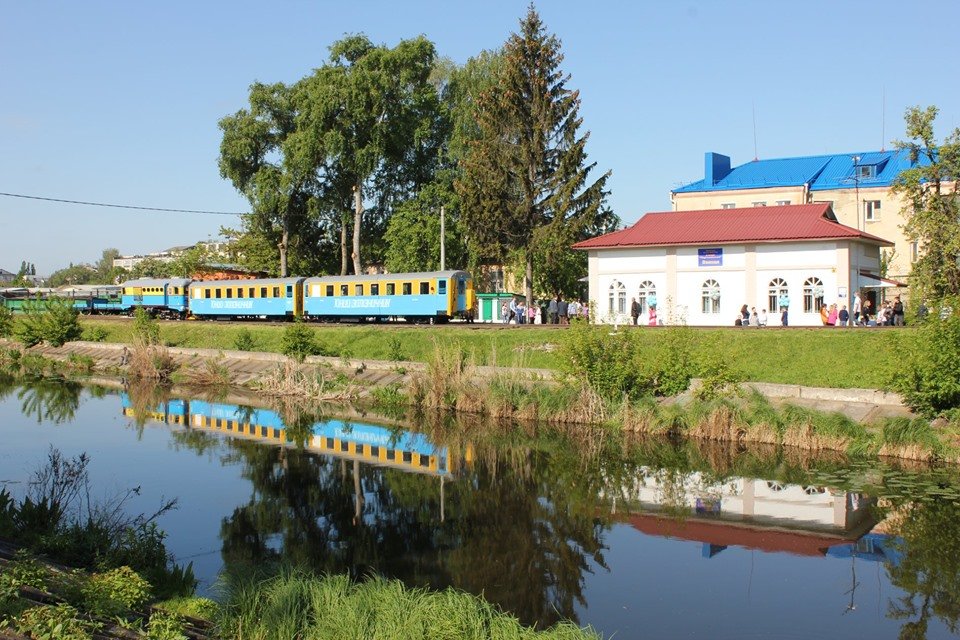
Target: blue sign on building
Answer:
[[710, 257]]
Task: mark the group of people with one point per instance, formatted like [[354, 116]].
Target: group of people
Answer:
[[890, 314], [651, 311], [553, 311]]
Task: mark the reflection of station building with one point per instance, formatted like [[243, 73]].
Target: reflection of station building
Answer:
[[363, 442], [751, 513]]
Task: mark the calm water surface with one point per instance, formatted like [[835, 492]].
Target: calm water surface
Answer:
[[638, 539]]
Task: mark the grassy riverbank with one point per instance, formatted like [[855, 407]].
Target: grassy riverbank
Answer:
[[842, 358]]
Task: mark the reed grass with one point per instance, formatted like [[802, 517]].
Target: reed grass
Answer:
[[297, 604]]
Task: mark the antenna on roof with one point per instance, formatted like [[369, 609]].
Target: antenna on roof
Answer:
[[883, 122], [754, 108]]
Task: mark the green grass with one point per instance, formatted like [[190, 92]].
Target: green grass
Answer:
[[843, 358], [296, 604]]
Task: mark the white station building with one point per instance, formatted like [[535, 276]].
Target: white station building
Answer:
[[700, 267]]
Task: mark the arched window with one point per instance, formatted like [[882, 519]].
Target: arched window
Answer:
[[812, 295], [647, 296], [710, 297], [778, 288], [618, 297]]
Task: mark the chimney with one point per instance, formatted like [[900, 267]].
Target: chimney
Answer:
[[716, 167]]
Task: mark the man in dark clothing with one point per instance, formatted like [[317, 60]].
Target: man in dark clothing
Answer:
[[634, 310], [898, 314]]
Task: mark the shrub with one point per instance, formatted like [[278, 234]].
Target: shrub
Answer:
[[244, 341], [6, 322], [60, 622], [299, 341], [115, 592], [95, 334], [928, 370], [395, 349], [605, 359], [673, 366], [165, 625], [53, 321], [146, 330]]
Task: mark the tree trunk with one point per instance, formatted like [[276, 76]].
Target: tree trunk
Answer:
[[343, 244], [284, 243], [528, 279], [357, 217]]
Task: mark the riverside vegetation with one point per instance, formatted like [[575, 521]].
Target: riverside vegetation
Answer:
[[111, 595], [616, 378]]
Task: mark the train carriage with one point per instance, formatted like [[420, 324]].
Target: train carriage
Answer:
[[271, 298], [160, 295], [430, 296]]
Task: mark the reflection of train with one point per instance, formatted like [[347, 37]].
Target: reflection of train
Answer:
[[435, 296], [353, 440]]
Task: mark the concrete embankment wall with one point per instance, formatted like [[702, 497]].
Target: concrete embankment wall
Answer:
[[247, 366]]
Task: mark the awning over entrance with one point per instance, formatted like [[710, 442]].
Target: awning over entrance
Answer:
[[869, 280]]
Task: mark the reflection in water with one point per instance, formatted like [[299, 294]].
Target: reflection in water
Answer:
[[525, 520]]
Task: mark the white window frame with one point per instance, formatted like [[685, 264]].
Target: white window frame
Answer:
[[618, 298], [871, 210], [866, 171], [710, 297], [914, 251], [812, 294], [728, 205], [776, 288], [759, 203], [782, 203]]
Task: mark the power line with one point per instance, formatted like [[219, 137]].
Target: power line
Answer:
[[123, 206]]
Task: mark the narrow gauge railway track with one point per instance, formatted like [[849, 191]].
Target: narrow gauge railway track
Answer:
[[399, 324]]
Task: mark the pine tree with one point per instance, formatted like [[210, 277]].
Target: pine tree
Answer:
[[525, 179]]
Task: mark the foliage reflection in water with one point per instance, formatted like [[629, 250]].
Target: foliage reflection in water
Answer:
[[531, 519]]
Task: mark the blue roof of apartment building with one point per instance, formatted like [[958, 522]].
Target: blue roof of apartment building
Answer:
[[836, 171]]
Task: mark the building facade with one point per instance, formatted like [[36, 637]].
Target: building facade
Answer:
[[857, 186], [701, 267]]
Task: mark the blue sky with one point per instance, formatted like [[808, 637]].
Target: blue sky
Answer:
[[118, 102]]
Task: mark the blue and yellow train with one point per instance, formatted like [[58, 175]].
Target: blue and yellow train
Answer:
[[436, 296]]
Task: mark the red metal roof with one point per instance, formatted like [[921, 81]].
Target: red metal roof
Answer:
[[727, 534], [797, 222]]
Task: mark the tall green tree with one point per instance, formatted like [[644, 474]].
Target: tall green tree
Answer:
[[931, 210], [526, 186], [372, 116], [269, 159], [413, 234]]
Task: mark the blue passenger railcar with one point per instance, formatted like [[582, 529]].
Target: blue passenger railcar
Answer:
[[161, 295], [262, 298], [433, 296]]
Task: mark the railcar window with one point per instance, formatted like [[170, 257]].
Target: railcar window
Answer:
[[374, 289], [219, 293], [442, 287], [425, 461], [391, 454], [407, 288], [424, 288], [330, 290], [461, 285], [329, 443], [276, 292], [229, 292], [239, 292], [344, 445], [206, 293], [391, 289], [263, 292], [407, 457], [344, 289], [358, 289], [375, 451], [289, 290], [250, 292]]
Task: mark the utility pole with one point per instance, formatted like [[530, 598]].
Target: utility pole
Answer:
[[443, 246]]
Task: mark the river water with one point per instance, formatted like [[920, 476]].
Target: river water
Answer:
[[637, 538]]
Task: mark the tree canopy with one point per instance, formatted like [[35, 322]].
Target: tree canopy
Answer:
[[526, 185], [931, 211]]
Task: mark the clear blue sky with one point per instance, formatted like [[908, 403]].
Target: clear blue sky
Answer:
[[118, 102]]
